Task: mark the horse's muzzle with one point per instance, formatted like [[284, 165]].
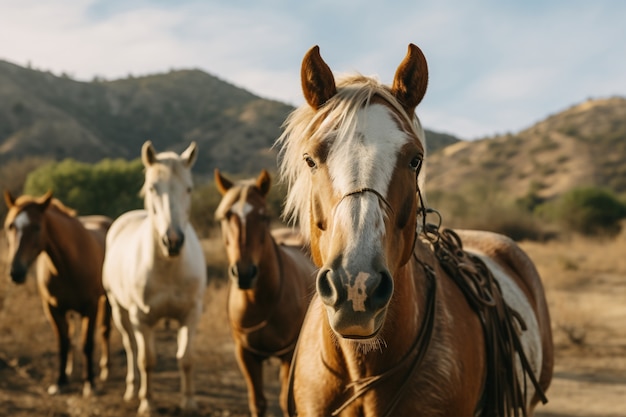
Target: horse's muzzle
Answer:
[[18, 273], [355, 304], [174, 243], [244, 275]]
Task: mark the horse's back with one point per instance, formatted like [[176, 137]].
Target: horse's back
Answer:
[[288, 236], [126, 224], [518, 266], [97, 225]]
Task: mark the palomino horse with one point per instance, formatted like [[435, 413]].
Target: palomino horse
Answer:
[[69, 251], [154, 268], [395, 327], [271, 284]]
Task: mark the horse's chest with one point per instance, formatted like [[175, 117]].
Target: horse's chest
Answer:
[[167, 298]]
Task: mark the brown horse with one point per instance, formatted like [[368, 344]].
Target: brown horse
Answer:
[[406, 320], [69, 251], [271, 284]]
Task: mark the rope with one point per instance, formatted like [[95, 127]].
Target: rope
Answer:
[[503, 393]]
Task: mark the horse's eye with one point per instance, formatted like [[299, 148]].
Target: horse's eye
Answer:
[[309, 161], [11, 226], [415, 162], [188, 190]]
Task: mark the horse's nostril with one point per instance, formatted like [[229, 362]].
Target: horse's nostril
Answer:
[[326, 288], [383, 292], [233, 271], [253, 271]]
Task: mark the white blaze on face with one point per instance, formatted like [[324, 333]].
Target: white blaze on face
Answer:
[[241, 209], [356, 292], [367, 158], [21, 221]]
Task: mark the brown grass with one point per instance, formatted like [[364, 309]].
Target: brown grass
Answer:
[[585, 282]]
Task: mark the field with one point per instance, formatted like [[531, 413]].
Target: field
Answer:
[[585, 282]]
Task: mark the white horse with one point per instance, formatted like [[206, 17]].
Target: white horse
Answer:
[[154, 268]]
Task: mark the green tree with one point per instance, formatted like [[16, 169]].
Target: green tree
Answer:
[[109, 187]]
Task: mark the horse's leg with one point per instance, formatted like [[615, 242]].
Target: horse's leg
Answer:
[[186, 335], [122, 322], [104, 308], [69, 365], [285, 363], [89, 323], [146, 360], [252, 368], [58, 320]]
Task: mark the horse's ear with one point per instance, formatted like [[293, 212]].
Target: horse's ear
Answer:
[[318, 83], [44, 200], [411, 79], [9, 199], [222, 183], [148, 153], [190, 154], [263, 182]]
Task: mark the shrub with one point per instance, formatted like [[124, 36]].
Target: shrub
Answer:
[[591, 211], [109, 187]]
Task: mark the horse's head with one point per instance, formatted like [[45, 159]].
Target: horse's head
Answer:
[[26, 230], [245, 225], [167, 194], [351, 158]]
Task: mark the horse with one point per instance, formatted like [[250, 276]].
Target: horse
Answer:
[[271, 283], [154, 268], [407, 319], [69, 251]]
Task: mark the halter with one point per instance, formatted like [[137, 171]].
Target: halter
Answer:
[[367, 190]]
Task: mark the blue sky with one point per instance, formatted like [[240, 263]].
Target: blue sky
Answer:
[[495, 66]]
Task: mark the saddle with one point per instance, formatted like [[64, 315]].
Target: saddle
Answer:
[[503, 395]]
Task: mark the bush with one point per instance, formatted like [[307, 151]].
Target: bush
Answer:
[[109, 187], [482, 207], [591, 211]]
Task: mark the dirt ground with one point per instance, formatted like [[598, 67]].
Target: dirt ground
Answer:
[[586, 287]]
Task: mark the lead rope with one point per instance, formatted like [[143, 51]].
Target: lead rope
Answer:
[[420, 346], [502, 341]]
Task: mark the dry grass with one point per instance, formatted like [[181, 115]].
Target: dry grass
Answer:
[[585, 282]]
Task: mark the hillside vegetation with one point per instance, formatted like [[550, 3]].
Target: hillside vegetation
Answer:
[[583, 145], [51, 117], [524, 184]]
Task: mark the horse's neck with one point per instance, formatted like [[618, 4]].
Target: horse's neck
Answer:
[[58, 248], [270, 272]]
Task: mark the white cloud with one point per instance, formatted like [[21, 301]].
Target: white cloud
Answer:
[[493, 66]]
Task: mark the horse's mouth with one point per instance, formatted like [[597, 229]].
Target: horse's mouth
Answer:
[[356, 325]]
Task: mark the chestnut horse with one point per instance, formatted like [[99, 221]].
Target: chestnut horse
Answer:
[[271, 283], [69, 251], [154, 268], [390, 331]]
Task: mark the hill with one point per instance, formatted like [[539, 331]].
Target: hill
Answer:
[[582, 145], [47, 116]]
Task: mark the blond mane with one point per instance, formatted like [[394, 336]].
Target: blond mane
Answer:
[[56, 203], [339, 115]]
